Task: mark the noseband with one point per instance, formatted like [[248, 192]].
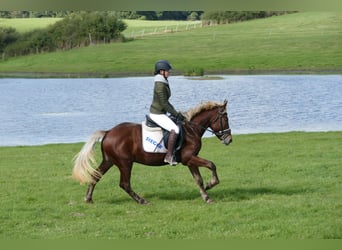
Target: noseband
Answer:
[[222, 133]]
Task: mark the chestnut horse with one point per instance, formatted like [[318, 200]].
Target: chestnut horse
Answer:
[[122, 145]]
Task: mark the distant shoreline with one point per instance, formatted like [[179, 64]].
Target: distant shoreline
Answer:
[[141, 74]]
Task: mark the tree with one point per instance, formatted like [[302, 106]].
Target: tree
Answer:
[[77, 29], [193, 16], [221, 17], [7, 36]]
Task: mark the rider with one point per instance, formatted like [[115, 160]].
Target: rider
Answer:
[[161, 106]]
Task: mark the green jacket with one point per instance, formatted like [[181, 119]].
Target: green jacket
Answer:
[[160, 103]]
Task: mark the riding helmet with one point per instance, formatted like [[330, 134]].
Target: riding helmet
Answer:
[[162, 65]]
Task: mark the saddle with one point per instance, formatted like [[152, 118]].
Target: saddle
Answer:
[[157, 136]]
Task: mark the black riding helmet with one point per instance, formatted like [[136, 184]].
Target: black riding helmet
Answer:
[[162, 65]]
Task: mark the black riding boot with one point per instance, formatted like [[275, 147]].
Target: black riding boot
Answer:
[[169, 158]]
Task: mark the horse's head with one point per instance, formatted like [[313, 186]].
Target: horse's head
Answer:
[[220, 124], [211, 115]]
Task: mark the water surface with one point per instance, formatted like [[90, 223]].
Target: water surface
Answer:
[[41, 111]]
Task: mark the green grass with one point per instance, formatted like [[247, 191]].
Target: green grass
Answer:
[[140, 28], [27, 24], [135, 27], [309, 42], [283, 186]]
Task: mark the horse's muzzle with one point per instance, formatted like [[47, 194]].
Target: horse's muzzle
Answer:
[[227, 139]]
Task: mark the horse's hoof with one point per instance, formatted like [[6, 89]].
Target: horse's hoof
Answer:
[[210, 201], [144, 202], [89, 201]]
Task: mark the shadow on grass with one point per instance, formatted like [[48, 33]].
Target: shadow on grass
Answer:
[[238, 194], [228, 194]]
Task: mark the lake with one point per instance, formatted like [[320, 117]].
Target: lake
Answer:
[[43, 111]]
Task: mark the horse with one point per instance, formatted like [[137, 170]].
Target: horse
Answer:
[[122, 146]]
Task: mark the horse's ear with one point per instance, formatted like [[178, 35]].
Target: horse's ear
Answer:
[[225, 102]]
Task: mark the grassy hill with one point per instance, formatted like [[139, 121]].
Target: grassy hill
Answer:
[[272, 186], [309, 42], [27, 24], [134, 26]]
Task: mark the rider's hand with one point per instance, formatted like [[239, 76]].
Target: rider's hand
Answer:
[[180, 117]]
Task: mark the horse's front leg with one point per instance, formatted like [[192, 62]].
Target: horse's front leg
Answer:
[[214, 179], [210, 165], [194, 163]]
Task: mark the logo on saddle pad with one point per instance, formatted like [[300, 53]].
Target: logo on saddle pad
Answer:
[[153, 139]]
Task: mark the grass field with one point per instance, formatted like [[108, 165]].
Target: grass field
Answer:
[[309, 42], [141, 28], [137, 27], [273, 186], [27, 24]]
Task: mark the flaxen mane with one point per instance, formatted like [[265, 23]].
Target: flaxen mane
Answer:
[[191, 113]]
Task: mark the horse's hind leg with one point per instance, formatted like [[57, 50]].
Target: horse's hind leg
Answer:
[[125, 181], [102, 169]]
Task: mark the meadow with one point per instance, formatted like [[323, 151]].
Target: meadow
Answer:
[[134, 26], [23, 25], [273, 186], [303, 42]]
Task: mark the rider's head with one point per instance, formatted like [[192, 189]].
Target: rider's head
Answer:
[[161, 66]]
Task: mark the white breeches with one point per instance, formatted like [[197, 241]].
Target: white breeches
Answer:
[[165, 122]]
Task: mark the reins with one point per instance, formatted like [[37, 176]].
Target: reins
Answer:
[[221, 133]]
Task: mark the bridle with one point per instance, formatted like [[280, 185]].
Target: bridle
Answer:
[[222, 133]]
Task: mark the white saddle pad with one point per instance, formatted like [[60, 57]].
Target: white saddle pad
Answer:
[[152, 139]]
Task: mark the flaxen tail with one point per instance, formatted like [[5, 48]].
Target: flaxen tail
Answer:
[[83, 170]]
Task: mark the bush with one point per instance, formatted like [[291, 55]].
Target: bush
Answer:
[[75, 30], [223, 17], [36, 41], [7, 36], [18, 48], [85, 29], [194, 72]]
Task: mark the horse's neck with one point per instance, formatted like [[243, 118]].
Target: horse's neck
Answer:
[[203, 122]]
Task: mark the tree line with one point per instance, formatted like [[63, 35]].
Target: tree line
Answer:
[[219, 16], [75, 30], [224, 17], [143, 15], [79, 28]]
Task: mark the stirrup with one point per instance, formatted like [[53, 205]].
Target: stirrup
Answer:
[[172, 161]]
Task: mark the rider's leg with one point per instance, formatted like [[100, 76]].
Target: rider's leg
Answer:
[[165, 122], [170, 157]]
